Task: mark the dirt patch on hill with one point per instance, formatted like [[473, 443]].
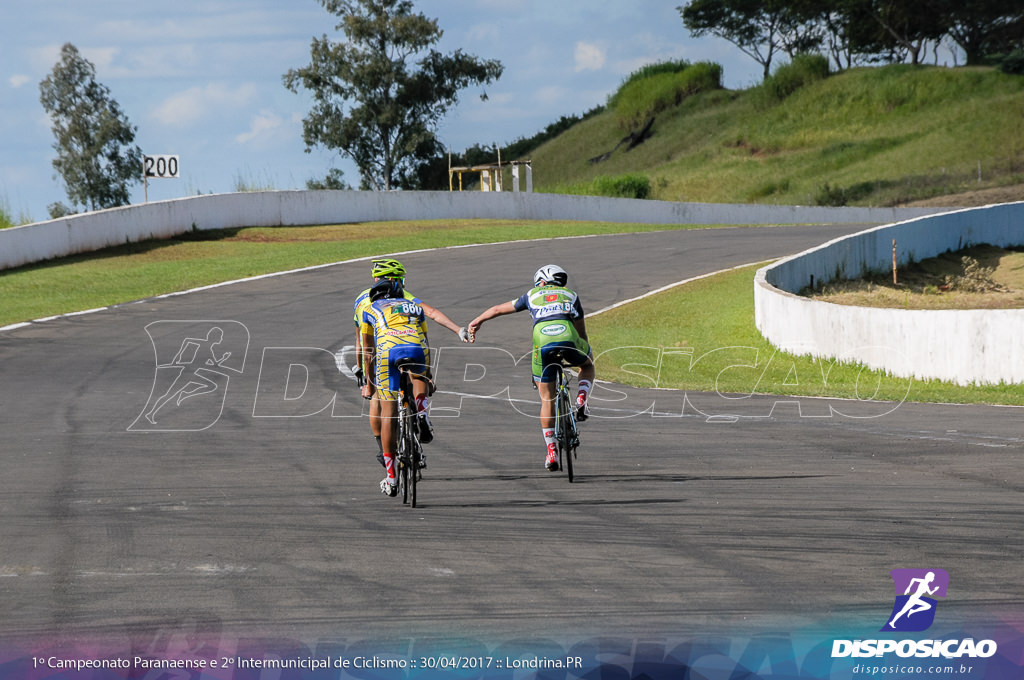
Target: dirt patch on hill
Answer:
[[982, 277], [973, 199]]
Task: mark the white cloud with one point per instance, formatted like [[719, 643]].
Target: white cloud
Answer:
[[483, 33], [18, 80], [105, 60], [101, 57], [267, 128], [44, 58], [589, 57], [196, 103], [47, 56]]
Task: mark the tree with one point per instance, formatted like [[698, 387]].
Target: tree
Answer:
[[335, 180], [897, 29], [982, 27], [96, 156], [371, 101], [760, 28]]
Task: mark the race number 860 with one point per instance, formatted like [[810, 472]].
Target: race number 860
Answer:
[[160, 166]]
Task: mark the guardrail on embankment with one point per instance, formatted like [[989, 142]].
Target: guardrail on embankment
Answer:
[[165, 219], [960, 346]]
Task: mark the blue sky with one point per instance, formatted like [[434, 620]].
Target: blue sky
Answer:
[[202, 79]]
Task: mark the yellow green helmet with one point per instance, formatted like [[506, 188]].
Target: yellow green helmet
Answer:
[[388, 269]]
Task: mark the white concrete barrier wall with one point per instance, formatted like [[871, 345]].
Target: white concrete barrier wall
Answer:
[[961, 346], [164, 219]]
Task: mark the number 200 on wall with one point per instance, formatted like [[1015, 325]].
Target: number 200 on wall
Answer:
[[160, 166]]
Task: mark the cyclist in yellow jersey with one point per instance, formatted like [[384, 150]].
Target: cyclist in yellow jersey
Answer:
[[386, 268], [558, 329], [392, 324]]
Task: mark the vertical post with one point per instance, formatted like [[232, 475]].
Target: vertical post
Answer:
[[515, 177], [894, 279], [498, 178]]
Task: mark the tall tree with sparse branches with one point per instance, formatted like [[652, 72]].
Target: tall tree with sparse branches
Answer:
[[899, 29], [96, 154], [379, 95], [762, 29]]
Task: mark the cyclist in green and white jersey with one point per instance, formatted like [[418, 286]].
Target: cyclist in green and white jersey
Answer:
[[558, 329]]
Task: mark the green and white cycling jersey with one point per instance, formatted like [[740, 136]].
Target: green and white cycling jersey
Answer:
[[550, 303], [554, 308]]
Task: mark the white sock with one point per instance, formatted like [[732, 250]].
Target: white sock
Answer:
[[581, 397]]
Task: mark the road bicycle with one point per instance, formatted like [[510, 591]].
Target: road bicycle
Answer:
[[410, 450], [567, 436]]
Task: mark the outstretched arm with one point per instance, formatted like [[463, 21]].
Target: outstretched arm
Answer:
[[435, 314], [497, 310]]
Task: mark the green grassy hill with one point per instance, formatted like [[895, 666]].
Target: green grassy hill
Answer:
[[869, 136]]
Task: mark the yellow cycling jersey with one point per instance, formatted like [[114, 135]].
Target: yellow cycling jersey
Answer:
[[363, 303], [394, 322]]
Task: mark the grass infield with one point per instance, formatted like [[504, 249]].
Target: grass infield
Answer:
[[713, 345]]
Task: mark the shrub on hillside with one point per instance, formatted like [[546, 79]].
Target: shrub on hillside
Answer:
[[839, 196], [830, 196], [632, 185], [1012, 63], [803, 70], [58, 210], [335, 180], [974, 279], [641, 98], [647, 71], [622, 186]]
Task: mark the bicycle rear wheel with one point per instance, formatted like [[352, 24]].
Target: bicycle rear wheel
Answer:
[[403, 456], [565, 425], [410, 443], [414, 464], [568, 429]]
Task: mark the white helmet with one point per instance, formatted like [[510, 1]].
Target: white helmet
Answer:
[[551, 273]]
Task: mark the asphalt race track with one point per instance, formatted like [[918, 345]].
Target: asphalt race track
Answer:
[[250, 506]]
